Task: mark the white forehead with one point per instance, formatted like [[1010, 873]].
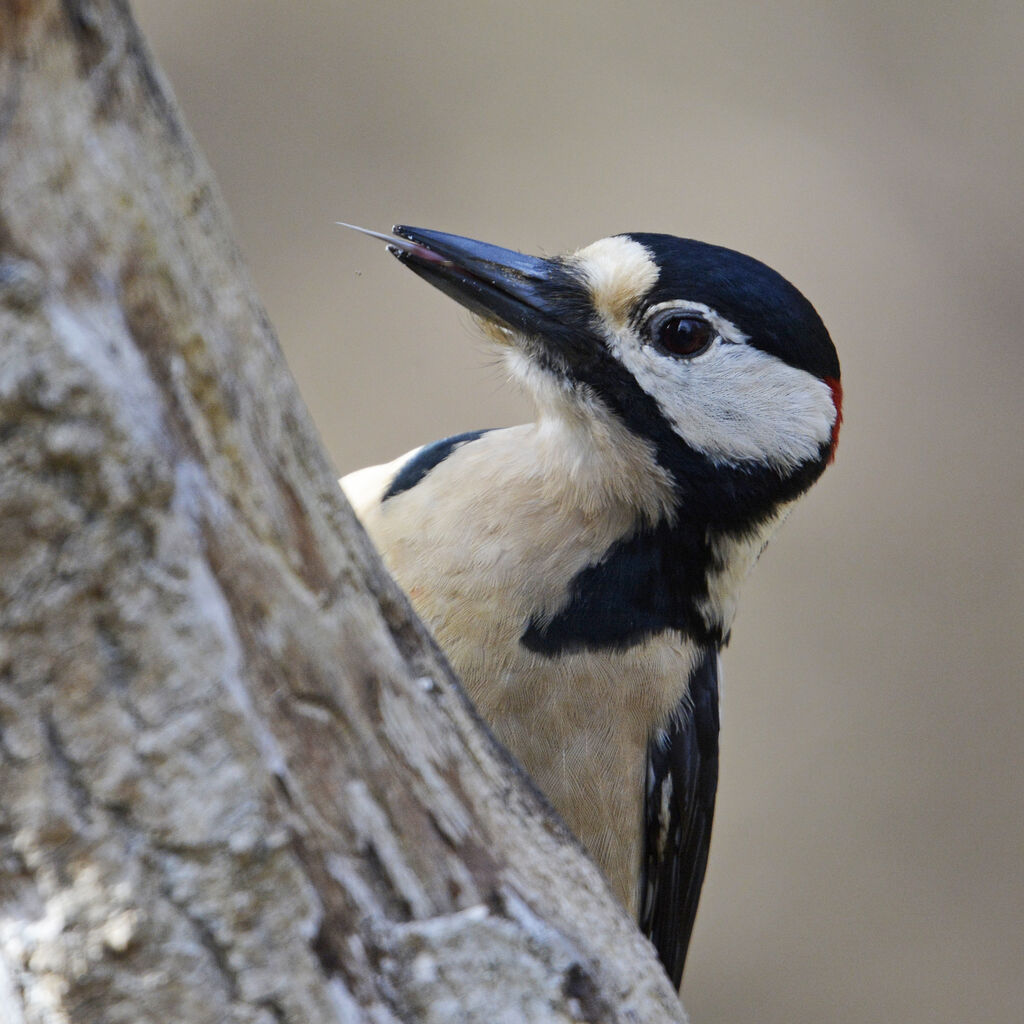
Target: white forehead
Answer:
[[618, 272]]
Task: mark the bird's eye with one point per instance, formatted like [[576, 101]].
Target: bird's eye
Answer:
[[682, 334]]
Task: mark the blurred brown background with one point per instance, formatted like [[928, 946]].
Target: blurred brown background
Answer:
[[867, 862]]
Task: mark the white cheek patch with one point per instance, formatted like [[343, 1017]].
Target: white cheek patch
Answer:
[[736, 403], [619, 272]]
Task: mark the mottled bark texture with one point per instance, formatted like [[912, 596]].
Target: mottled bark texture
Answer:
[[237, 781]]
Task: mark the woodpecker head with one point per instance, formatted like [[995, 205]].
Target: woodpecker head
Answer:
[[710, 358]]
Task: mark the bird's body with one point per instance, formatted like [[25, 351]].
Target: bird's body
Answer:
[[579, 723], [581, 571]]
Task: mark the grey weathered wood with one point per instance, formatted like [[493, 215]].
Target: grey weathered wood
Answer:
[[238, 781]]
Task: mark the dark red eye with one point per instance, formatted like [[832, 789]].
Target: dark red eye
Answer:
[[682, 334]]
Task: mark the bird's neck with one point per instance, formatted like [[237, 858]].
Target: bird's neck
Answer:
[[662, 565], [591, 462]]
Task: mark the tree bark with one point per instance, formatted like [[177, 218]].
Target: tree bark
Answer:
[[238, 781]]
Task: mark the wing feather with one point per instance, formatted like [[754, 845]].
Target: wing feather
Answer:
[[682, 777]]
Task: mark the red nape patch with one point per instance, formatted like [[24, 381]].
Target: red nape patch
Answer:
[[836, 386]]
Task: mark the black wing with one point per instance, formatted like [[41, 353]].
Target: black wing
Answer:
[[682, 776], [426, 459]]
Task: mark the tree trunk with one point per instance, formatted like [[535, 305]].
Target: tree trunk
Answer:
[[239, 782]]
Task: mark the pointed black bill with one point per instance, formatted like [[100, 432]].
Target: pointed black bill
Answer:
[[516, 290]]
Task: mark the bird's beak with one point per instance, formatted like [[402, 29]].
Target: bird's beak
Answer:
[[516, 290]]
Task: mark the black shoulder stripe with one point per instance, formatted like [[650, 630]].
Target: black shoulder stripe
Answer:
[[425, 460], [682, 778], [643, 585]]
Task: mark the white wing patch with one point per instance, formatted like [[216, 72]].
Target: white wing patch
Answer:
[[364, 488]]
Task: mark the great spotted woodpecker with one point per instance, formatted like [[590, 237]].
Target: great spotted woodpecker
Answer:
[[581, 571]]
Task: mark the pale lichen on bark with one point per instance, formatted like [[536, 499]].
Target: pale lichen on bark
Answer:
[[238, 781]]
